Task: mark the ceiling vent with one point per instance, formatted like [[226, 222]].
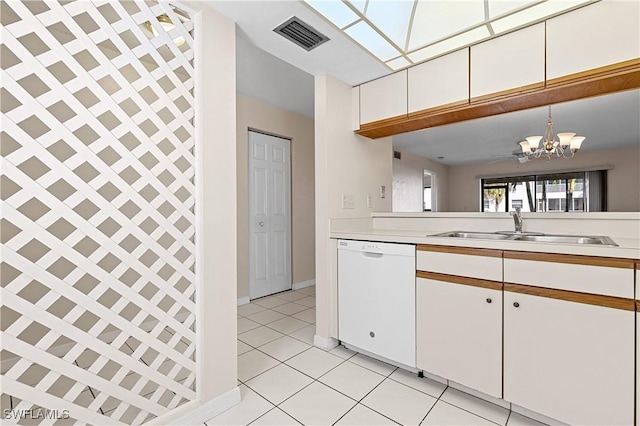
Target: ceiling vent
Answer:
[[301, 33]]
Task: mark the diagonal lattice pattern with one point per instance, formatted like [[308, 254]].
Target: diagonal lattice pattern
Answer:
[[97, 225]]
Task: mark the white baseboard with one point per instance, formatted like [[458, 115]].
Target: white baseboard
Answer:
[[303, 284], [243, 300], [492, 399], [325, 343], [196, 412], [535, 416]]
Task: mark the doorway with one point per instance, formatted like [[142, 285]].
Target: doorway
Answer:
[[429, 197], [269, 214]]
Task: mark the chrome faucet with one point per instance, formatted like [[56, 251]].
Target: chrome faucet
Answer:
[[517, 219]]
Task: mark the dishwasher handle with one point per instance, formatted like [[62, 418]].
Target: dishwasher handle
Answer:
[[372, 254]]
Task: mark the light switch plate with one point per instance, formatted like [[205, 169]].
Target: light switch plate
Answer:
[[348, 201]]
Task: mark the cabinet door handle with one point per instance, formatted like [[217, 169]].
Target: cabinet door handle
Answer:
[[489, 300], [516, 304]]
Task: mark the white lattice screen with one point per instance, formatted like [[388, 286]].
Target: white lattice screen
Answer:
[[97, 224]]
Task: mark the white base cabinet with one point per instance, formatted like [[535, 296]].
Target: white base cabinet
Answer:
[[570, 361], [460, 333]]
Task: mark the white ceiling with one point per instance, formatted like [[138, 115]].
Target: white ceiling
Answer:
[[611, 121], [339, 57]]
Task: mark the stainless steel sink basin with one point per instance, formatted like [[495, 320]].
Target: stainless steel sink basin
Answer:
[[566, 239], [530, 237], [479, 235]]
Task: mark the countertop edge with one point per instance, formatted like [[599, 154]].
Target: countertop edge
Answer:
[[628, 248]]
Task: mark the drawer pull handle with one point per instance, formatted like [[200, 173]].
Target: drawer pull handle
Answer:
[[516, 304], [372, 334], [489, 300]]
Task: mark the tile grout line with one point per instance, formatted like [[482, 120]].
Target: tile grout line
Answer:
[[349, 358]]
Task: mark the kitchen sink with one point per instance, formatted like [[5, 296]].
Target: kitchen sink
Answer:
[[530, 237], [480, 235], [566, 239]]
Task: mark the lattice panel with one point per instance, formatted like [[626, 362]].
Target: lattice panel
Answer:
[[97, 224]]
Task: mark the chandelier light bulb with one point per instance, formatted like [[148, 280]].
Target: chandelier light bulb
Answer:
[[534, 142], [565, 139], [525, 147], [576, 143]]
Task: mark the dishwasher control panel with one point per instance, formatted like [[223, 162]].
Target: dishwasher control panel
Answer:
[[377, 247]]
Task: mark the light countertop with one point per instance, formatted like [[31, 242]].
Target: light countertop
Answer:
[[628, 248]]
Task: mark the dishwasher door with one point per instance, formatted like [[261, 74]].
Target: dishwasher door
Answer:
[[376, 298]]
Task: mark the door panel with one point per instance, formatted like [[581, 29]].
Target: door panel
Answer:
[[261, 258], [269, 215], [459, 334], [570, 361]]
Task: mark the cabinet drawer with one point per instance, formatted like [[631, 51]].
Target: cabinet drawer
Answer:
[[574, 273], [476, 263]]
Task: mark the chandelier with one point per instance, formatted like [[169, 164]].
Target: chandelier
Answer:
[[564, 146]]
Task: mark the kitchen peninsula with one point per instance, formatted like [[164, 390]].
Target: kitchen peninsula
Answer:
[[549, 328]]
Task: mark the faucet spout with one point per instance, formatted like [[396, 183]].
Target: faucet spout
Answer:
[[517, 219]]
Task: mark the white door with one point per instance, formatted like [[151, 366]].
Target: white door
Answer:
[[269, 214], [459, 333]]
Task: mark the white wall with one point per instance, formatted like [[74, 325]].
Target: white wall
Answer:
[[408, 174], [344, 163], [216, 322], [255, 114], [622, 181]]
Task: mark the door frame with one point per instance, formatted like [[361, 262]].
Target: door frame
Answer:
[[249, 202]]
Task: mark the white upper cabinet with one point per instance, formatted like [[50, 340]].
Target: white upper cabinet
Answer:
[[596, 35], [439, 82], [508, 62], [383, 98]]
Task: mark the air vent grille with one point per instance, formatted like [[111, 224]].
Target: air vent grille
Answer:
[[397, 155], [301, 33]]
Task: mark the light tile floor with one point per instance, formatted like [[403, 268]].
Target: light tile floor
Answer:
[[284, 380]]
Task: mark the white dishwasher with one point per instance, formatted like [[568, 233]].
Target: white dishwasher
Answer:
[[376, 298]]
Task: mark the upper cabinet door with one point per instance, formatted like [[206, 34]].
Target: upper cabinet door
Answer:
[[596, 35], [439, 82], [509, 62], [384, 98]]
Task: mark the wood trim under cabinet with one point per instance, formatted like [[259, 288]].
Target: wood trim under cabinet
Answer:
[[461, 250], [599, 81], [456, 279], [573, 296], [620, 67], [385, 122], [637, 306], [573, 259], [439, 108]]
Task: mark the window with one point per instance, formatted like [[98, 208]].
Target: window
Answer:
[[558, 192]]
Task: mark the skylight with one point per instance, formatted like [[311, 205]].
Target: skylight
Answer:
[[401, 33]]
